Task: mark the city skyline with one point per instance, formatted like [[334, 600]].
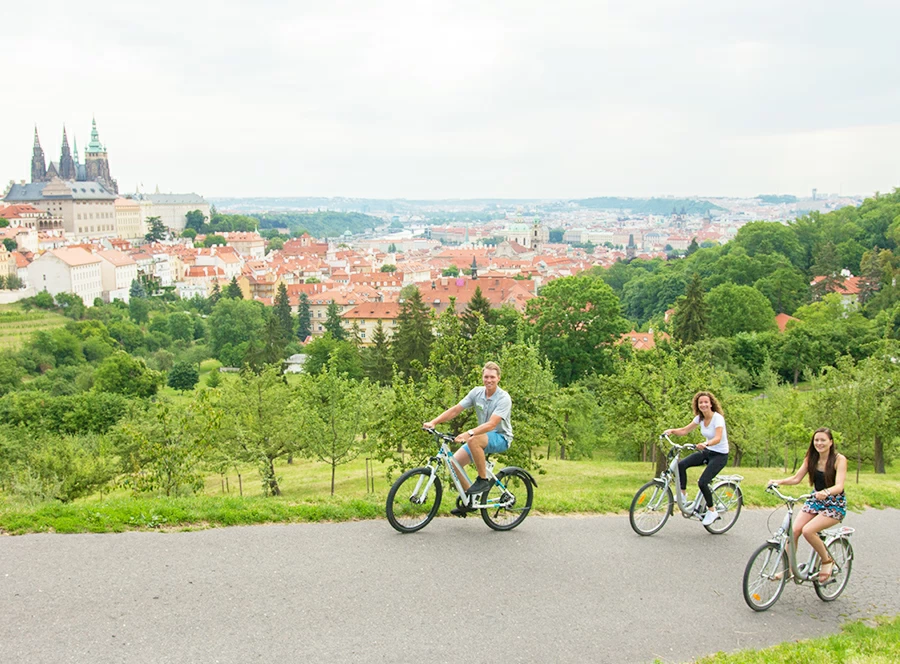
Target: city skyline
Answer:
[[511, 100]]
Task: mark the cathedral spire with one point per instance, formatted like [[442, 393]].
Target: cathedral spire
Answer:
[[38, 163], [95, 145], [66, 163]]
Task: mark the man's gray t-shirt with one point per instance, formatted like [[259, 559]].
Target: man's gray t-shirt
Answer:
[[498, 404]]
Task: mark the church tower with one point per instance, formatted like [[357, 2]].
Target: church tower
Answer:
[[536, 236], [96, 162], [38, 164], [66, 163]]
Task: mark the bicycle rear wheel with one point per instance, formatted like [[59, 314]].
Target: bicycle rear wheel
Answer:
[[841, 552], [728, 499], [510, 507], [650, 508], [764, 577], [409, 506]]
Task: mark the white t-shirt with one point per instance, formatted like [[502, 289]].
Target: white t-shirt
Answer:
[[709, 432]]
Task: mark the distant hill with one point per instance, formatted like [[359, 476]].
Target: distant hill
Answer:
[[658, 206], [320, 224], [775, 199]]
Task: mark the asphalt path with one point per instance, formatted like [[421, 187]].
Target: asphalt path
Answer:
[[564, 589]]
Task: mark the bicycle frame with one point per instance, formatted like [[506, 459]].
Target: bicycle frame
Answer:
[[669, 478], [445, 456], [784, 539]]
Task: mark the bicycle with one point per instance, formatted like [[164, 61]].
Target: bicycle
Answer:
[[653, 504], [772, 563], [415, 497]]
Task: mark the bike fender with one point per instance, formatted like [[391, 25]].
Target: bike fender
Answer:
[[515, 469]]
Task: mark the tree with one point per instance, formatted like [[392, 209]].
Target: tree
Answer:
[[334, 414], [136, 289], [183, 376], [233, 323], [139, 310], [388, 268], [413, 335], [450, 271], [304, 318], [734, 309], [576, 323], [785, 288], [556, 235], [259, 424], [233, 290], [120, 373], [214, 240], [156, 230], [215, 295], [322, 351], [691, 313], [333, 322], [479, 304], [826, 265], [282, 311], [275, 244], [194, 220], [376, 359], [189, 233]]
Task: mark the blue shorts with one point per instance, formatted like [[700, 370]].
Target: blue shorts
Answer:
[[496, 444]]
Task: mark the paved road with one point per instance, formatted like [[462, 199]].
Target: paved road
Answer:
[[555, 590]]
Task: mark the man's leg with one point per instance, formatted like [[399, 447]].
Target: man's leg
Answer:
[[477, 444], [463, 459]]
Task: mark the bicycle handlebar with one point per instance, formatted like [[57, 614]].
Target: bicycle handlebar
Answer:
[[446, 436], [687, 446], [773, 488]]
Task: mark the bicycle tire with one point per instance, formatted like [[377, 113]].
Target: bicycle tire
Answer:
[[765, 576], [650, 508], [403, 513], [519, 489], [728, 499], [841, 551]]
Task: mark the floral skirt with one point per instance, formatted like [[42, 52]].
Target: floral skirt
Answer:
[[834, 507]]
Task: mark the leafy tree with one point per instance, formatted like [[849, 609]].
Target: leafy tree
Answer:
[[691, 317], [120, 373], [234, 322], [576, 323], [734, 309], [827, 265], [156, 230], [413, 335], [189, 233], [275, 244], [258, 423], [183, 376], [335, 413], [214, 240], [324, 350], [71, 305], [139, 310], [10, 244], [214, 379], [389, 268], [194, 221], [11, 374], [181, 326], [333, 322], [215, 295], [450, 271], [304, 318], [233, 290], [763, 237], [556, 235], [785, 288]]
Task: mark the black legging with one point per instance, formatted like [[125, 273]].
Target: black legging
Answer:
[[714, 461]]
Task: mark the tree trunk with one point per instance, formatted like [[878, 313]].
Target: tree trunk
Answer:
[[333, 467], [270, 482], [796, 376], [878, 455]]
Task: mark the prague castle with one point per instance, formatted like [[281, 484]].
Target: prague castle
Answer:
[[94, 169]]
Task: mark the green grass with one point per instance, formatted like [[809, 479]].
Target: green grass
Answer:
[[564, 487], [858, 643], [16, 325]]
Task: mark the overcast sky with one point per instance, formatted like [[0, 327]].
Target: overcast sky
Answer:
[[420, 99]]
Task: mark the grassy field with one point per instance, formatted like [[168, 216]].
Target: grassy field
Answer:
[[858, 643], [564, 487], [17, 325]]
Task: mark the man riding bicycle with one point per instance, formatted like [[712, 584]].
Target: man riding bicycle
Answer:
[[493, 434]]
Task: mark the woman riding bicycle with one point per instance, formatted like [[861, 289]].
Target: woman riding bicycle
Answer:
[[828, 505], [713, 452]]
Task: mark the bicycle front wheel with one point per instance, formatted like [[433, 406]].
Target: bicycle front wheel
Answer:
[[841, 552], [411, 503], [650, 508], [765, 575], [507, 508], [728, 499]]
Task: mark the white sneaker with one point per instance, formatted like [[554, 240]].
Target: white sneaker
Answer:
[[711, 515]]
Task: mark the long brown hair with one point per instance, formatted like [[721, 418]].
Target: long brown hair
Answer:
[[713, 403], [812, 459]]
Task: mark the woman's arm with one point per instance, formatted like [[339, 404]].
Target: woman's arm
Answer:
[[839, 477], [712, 441], [683, 431], [795, 478]]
